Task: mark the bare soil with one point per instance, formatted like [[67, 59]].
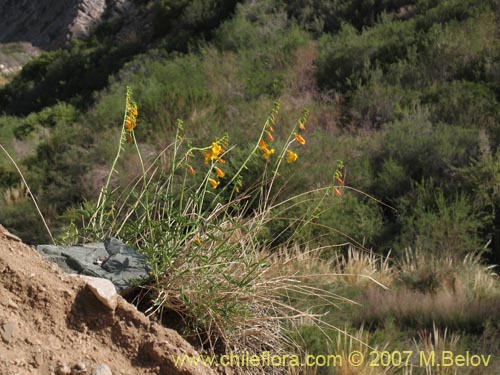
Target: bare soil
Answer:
[[49, 318]]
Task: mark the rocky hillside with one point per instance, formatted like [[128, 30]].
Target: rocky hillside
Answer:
[[30, 26]]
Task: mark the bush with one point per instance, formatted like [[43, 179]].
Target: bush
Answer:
[[70, 75], [327, 16], [416, 149], [467, 104], [187, 22], [346, 59], [439, 225], [202, 236], [264, 41]]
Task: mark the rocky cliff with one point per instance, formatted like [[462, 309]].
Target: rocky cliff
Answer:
[[29, 26], [51, 24]]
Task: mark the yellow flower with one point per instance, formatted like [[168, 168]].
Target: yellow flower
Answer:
[[219, 172], [216, 150], [133, 110], [292, 156], [267, 152], [131, 118], [213, 153], [213, 183], [300, 139], [302, 126]]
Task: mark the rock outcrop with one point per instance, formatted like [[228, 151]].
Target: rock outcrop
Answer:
[[49, 24], [28, 27]]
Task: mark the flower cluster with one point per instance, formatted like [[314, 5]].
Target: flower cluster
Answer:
[[214, 155], [131, 116], [338, 178], [214, 152], [301, 126], [267, 151]]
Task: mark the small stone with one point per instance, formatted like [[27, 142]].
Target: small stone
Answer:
[[9, 331], [103, 289], [79, 369], [63, 369], [12, 304], [102, 369]]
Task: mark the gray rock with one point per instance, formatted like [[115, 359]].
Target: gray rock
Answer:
[[122, 265], [50, 24], [102, 369]]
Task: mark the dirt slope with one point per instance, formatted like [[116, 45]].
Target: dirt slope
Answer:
[[48, 318]]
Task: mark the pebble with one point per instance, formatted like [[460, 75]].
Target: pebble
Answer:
[[63, 369], [102, 369], [12, 304], [9, 331], [79, 369]]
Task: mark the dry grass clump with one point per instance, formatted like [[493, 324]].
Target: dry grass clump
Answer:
[[436, 341], [451, 293], [363, 268], [345, 345], [15, 194]]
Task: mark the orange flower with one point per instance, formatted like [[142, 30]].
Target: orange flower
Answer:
[[262, 144], [339, 180], [267, 152], [220, 173], [270, 137], [300, 139], [197, 240], [191, 170], [131, 118], [292, 156], [338, 193], [220, 160], [213, 183], [302, 126]]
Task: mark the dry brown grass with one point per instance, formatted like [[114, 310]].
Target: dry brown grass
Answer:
[[364, 268], [451, 293], [15, 194], [436, 341], [345, 345]]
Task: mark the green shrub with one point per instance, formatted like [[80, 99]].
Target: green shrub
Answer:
[[420, 150], [346, 59], [467, 104], [70, 75], [327, 16], [187, 22], [262, 56], [431, 222]]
